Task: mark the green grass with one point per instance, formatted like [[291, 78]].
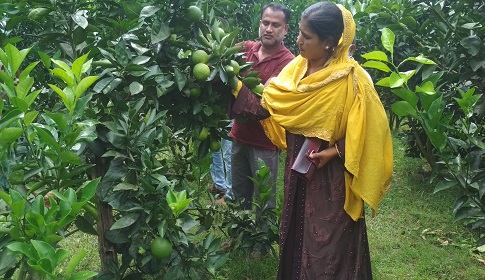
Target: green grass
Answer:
[[412, 237]]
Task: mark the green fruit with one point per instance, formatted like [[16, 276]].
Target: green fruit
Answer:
[[194, 14], [201, 71], [195, 92], [258, 90], [229, 70], [215, 145], [204, 132], [16, 177], [251, 82], [235, 66], [233, 82], [161, 248], [200, 56]]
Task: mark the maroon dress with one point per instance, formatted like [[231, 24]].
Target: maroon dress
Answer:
[[318, 239]]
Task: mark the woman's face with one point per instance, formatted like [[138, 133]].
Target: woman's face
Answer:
[[309, 44]]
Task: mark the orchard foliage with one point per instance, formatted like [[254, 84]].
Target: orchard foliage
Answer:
[[113, 101], [430, 65], [106, 96]]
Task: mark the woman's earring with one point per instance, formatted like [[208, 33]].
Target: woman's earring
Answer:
[[327, 47]]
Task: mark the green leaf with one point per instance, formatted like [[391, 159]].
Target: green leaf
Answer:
[[427, 88], [77, 66], [407, 95], [6, 197], [135, 88], [148, 11], [395, 80], [385, 82], [46, 60], [125, 187], [23, 248], [467, 213], [64, 66], [10, 135], [80, 19], [23, 87], [171, 197], [125, 221], [376, 55], [67, 97], [472, 44], [180, 79], [403, 109], [159, 33], [438, 138], [142, 59], [387, 39], [48, 139], [70, 157], [19, 103], [60, 119], [434, 113], [84, 85], [15, 57], [10, 117], [46, 250], [68, 79], [25, 73], [421, 59], [29, 99], [377, 65], [74, 262], [82, 275]]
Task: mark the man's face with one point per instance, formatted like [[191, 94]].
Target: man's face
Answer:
[[272, 28]]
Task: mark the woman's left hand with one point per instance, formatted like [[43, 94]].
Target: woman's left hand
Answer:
[[324, 156]]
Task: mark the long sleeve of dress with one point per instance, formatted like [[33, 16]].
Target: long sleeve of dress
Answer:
[[247, 105]]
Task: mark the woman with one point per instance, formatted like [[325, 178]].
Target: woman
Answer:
[[323, 94]]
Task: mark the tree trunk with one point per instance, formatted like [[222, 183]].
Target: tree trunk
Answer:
[[424, 149], [107, 250]]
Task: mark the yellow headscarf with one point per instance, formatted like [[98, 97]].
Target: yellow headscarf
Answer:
[[335, 102]]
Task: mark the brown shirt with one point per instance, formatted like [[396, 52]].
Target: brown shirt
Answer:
[[250, 132]]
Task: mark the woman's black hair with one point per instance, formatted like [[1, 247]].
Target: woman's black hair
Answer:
[[277, 7], [325, 19]]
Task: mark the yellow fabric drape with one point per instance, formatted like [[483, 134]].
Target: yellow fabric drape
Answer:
[[335, 102]]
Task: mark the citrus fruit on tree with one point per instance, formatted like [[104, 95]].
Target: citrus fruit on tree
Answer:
[[233, 82], [215, 145], [195, 92], [200, 56], [229, 70], [16, 177], [235, 66], [161, 247], [201, 71], [258, 89], [194, 14], [204, 132]]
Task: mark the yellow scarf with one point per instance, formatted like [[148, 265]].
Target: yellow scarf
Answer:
[[335, 102]]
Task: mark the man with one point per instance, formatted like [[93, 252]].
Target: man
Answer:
[[221, 171], [269, 56]]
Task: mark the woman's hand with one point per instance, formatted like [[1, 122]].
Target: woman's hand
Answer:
[[324, 156]]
